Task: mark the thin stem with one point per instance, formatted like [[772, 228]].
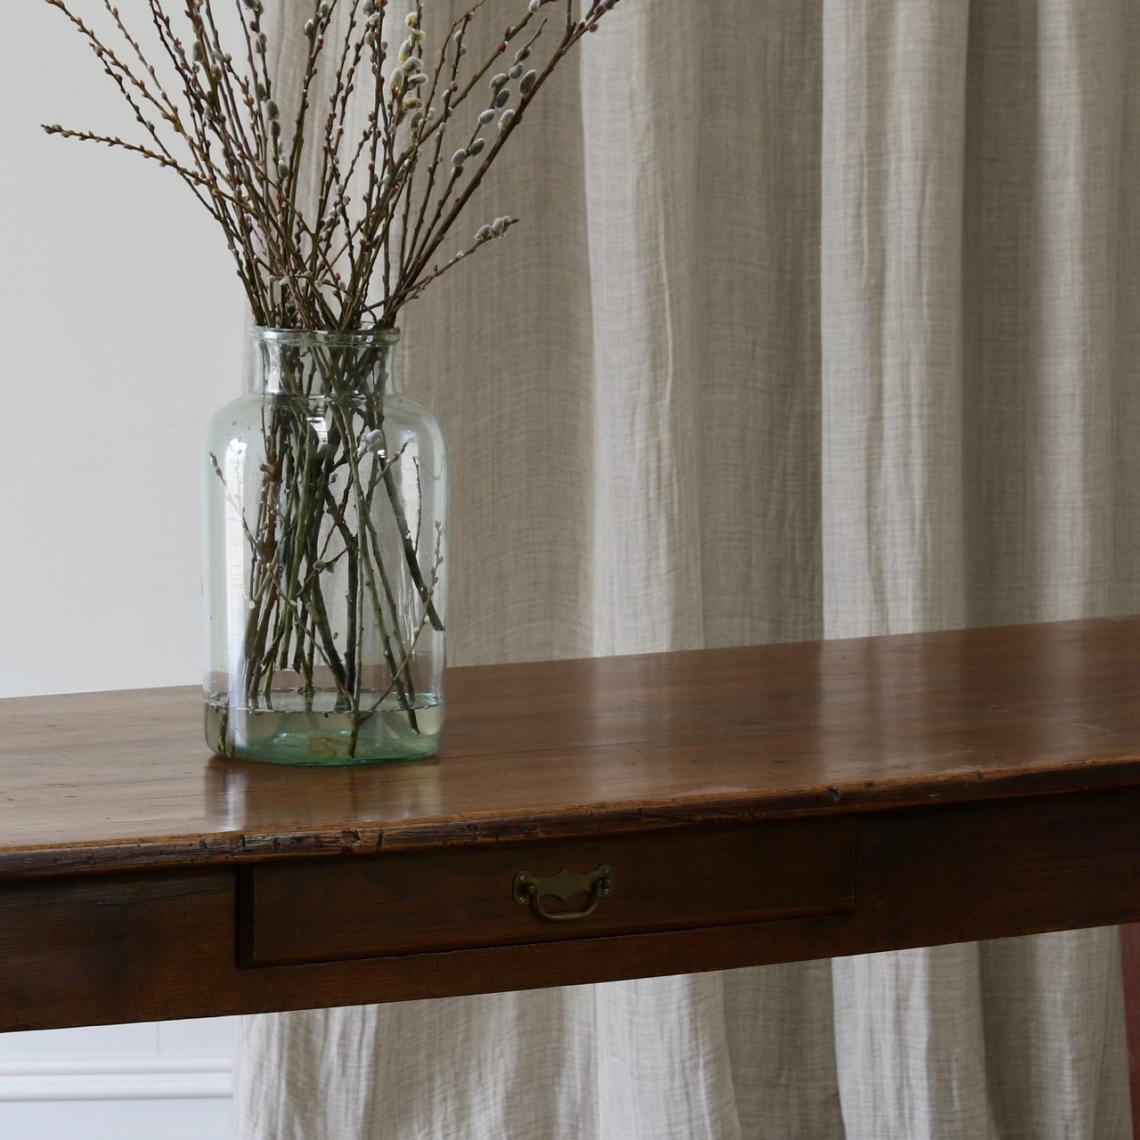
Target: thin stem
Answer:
[[334, 571]]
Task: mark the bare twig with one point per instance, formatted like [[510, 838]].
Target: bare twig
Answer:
[[335, 569]]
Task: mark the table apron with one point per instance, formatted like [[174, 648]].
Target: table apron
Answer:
[[107, 948]]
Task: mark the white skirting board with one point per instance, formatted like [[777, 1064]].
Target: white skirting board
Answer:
[[119, 1078], [125, 1082], [118, 1120], [182, 1098]]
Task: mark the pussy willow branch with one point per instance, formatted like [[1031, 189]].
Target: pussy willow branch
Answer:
[[332, 228], [364, 244]]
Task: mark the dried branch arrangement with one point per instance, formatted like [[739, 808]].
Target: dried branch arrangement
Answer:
[[333, 228], [387, 196]]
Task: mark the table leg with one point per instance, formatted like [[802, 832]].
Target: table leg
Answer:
[[1130, 950]]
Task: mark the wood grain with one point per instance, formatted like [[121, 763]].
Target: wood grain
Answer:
[[92, 949], [835, 798], [408, 902], [569, 749]]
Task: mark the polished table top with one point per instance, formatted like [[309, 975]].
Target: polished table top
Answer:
[[123, 780]]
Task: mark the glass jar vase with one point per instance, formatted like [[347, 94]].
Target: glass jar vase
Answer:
[[325, 494]]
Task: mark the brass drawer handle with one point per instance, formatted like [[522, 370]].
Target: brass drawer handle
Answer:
[[530, 890]]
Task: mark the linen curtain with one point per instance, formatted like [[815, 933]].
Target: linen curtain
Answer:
[[824, 320]]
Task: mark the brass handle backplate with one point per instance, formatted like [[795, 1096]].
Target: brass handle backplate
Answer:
[[530, 890]]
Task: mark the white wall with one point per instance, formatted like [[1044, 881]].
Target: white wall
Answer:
[[121, 326], [120, 1082]]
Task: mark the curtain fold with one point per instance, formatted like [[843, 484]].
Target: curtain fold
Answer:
[[823, 320], [893, 132]]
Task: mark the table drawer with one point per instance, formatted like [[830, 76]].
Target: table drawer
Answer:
[[419, 902]]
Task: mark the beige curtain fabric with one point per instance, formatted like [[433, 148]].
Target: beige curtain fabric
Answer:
[[824, 320]]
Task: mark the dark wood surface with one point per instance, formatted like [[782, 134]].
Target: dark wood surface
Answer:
[[123, 780], [757, 805], [460, 898], [143, 946]]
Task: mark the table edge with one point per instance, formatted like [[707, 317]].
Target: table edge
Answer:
[[369, 837]]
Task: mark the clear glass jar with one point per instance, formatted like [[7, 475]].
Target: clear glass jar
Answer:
[[325, 494]]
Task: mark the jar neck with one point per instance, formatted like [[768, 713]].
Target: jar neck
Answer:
[[324, 365]]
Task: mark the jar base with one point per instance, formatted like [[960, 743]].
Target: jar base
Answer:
[[311, 732]]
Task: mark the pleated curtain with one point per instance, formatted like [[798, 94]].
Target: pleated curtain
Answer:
[[823, 320]]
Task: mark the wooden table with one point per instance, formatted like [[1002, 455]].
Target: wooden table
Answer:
[[710, 809]]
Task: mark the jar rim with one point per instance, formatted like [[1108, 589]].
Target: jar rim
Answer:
[[327, 338]]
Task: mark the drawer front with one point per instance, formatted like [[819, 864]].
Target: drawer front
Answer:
[[421, 902]]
